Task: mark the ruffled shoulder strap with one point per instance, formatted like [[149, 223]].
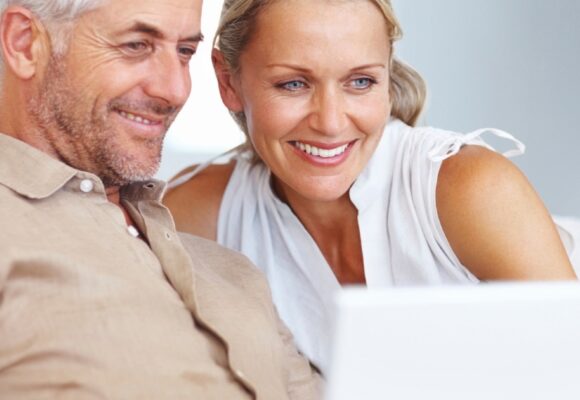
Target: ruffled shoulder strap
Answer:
[[451, 146]]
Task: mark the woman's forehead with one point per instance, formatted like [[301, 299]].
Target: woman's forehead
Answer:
[[296, 25]]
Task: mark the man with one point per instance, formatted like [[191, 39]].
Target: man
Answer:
[[99, 297]]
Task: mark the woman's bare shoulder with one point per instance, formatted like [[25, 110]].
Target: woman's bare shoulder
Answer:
[[494, 220], [195, 203]]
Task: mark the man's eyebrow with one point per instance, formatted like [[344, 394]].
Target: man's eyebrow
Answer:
[[153, 31]]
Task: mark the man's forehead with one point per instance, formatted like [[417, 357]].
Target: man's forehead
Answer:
[[172, 19]]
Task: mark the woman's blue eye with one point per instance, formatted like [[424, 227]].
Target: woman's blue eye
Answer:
[[362, 83], [293, 85]]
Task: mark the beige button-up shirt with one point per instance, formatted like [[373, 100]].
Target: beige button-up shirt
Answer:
[[90, 311]]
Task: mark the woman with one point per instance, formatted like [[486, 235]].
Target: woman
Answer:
[[335, 186]]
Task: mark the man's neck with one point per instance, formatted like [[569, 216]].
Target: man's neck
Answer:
[[114, 196], [15, 121]]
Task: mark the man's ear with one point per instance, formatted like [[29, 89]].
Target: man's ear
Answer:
[[23, 41], [226, 81]]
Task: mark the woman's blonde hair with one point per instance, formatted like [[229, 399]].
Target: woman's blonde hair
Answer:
[[238, 21]]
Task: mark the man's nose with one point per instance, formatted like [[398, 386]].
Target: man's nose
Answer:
[[328, 115], [169, 79]]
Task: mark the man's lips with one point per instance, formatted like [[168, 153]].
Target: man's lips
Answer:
[[140, 118]]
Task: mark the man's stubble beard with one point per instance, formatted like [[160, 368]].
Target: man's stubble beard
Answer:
[[81, 135]]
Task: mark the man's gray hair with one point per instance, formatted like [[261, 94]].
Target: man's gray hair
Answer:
[[56, 15]]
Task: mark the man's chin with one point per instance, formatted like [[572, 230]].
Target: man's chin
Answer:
[[125, 179], [124, 173]]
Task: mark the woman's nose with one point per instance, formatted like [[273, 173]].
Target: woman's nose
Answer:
[[328, 114]]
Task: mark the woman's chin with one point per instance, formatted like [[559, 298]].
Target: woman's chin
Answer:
[[319, 190]]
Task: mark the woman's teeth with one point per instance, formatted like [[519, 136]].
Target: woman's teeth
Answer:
[[135, 118], [318, 152]]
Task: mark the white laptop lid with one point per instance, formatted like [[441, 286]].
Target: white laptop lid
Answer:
[[491, 341]]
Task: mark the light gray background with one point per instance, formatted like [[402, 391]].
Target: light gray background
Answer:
[[510, 64]]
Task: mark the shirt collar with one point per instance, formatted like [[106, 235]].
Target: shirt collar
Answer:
[[30, 172], [151, 189], [36, 175]]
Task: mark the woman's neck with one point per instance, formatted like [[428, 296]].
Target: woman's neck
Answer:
[[334, 227]]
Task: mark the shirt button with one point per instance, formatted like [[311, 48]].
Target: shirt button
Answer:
[[239, 374], [87, 186], [133, 231]]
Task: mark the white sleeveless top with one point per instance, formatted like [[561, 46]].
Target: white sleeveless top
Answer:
[[402, 239]]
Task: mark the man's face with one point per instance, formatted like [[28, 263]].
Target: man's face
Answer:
[[105, 105]]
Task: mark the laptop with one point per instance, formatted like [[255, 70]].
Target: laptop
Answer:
[[490, 341]]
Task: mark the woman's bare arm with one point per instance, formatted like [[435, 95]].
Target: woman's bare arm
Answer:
[[195, 204]]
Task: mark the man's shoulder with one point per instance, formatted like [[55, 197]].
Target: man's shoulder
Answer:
[[221, 262], [13, 207], [209, 249]]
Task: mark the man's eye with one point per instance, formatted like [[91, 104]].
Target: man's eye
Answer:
[[186, 52], [137, 48], [292, 85]]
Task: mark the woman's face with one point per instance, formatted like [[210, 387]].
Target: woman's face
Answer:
[[314, 86]]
